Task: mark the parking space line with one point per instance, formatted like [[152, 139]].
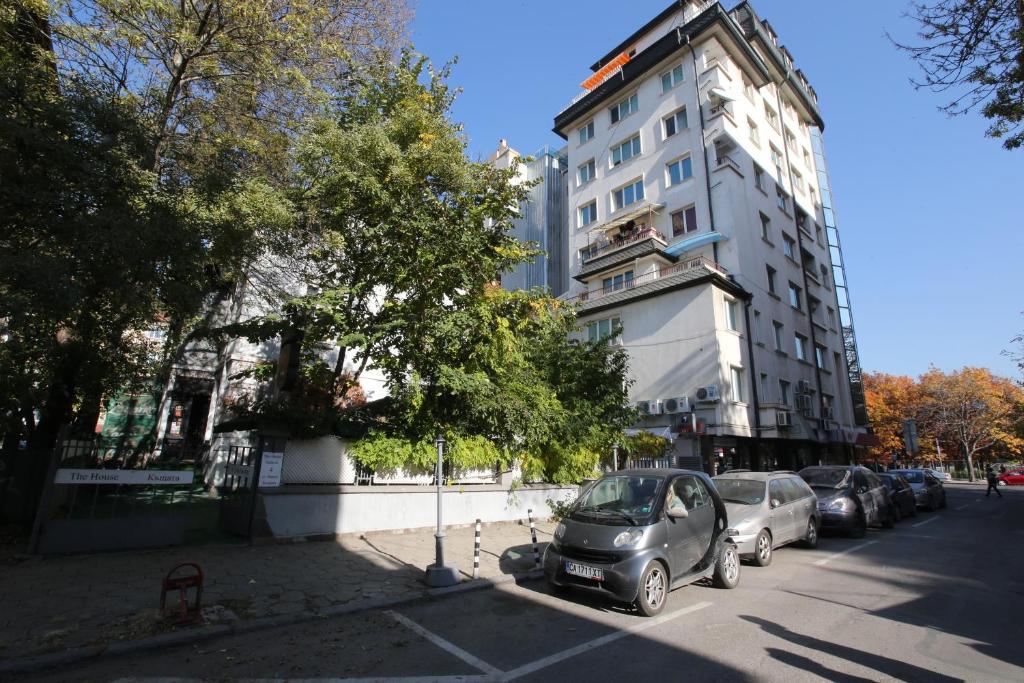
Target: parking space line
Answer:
[[825, 560], [640, 626], [930, 519], [962, 507], [447, 646]]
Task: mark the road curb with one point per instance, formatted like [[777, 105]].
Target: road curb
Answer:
[[51, 660]]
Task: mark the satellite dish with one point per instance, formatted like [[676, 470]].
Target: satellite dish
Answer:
[[720, 95]]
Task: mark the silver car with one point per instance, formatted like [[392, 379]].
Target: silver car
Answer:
[[768, 510]]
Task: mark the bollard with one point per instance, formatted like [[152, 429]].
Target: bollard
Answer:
[[533, 534], [476, 552], [177, 581]]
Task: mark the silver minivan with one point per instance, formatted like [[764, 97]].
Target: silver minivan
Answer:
[[768, 510], [634, 535]]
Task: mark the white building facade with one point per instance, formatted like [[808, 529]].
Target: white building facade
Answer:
[[697, 236]]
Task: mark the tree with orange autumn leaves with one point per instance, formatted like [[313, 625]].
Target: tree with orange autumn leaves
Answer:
[[970, 412]]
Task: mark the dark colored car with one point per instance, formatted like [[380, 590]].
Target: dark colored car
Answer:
[[850, 499], [634, 535], [900, 493], [928, 491]]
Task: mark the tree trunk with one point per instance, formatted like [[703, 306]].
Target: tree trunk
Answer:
[[970, 463]]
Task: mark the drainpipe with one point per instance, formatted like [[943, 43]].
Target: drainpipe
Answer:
[[754, 386], [800, 246], [703, 143]]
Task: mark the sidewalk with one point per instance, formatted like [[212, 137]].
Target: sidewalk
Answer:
[[53, 604]]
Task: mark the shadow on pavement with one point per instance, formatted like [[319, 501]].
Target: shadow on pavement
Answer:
[[810, 666]]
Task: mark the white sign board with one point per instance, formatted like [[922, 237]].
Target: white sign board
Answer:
[[153, 477], [270, 470]]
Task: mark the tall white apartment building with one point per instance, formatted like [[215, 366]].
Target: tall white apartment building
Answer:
[[698, 238]]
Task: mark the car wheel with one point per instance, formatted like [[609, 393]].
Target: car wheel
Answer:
[[727, 568], [811, 537], [860, 526], [653, 589], [763, 549], [913, 510]]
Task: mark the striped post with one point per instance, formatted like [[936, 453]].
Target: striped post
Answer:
[[533, 534], [476, 552]]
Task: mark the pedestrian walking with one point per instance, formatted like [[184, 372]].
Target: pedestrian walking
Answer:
[[993, 483]]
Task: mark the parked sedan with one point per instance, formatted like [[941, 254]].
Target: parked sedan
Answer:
[[637, 534], [900, 493], [941, 476], [1011, 478], [928, 491], [850, 498], [768, 510]]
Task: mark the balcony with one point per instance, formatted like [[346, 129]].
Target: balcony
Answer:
[[685, 270], [605, 245]]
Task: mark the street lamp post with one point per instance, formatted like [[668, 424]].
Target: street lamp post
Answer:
[[438, 574], [615, 455]]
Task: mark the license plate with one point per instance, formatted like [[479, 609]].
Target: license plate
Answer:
[[584, 571]]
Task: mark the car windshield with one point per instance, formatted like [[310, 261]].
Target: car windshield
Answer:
[[888, 480], [826, 478], [744, 491], [619, 498], [913, 477]]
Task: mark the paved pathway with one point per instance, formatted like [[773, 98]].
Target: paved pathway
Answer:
[[54, 603]]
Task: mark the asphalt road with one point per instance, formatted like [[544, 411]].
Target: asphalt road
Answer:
[[939, 598]]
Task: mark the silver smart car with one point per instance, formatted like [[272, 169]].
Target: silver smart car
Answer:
[[634, 535], [768, 510]]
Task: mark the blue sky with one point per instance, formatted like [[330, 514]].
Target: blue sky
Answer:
[[929, 209]]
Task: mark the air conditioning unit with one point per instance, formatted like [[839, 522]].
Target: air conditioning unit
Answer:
[[649, 407], [828, 413], [804, 403], [783, 418], [679, 404], [708, 394], [803, 386]]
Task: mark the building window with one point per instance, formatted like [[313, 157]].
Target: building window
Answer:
[[800, 345], [781, 198], [617, 282], [628, 194], [831, 317], [586, 131], [759, 178], [777, 160], [586, 172], [837, 362], [771, 278], [604, 329], [675, 123], [755, 137], [684, 221], [818, 235], [626, 151], [732, 313], [820, 354], [679, 170], [748, 88], [756, 332], [624, 108], [788, 246], [807, 161], [736, 386], [798, 181], [671, 79], [588, 213], [784, 392], [795, 295], [790, 140], [771, 115], [766, 227], [764, 387], [779, 335], [824, 275]]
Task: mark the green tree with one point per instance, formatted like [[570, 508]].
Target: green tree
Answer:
[[976, 49]]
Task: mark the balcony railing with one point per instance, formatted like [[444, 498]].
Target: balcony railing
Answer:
[[694, 263], [607, 246]]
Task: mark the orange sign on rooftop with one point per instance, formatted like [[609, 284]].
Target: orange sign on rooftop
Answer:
[[602, 74]]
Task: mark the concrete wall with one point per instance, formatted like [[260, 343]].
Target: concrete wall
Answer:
[[308, 511]]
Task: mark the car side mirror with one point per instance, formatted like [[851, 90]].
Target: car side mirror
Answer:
[[776, 502], [678, 512]]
